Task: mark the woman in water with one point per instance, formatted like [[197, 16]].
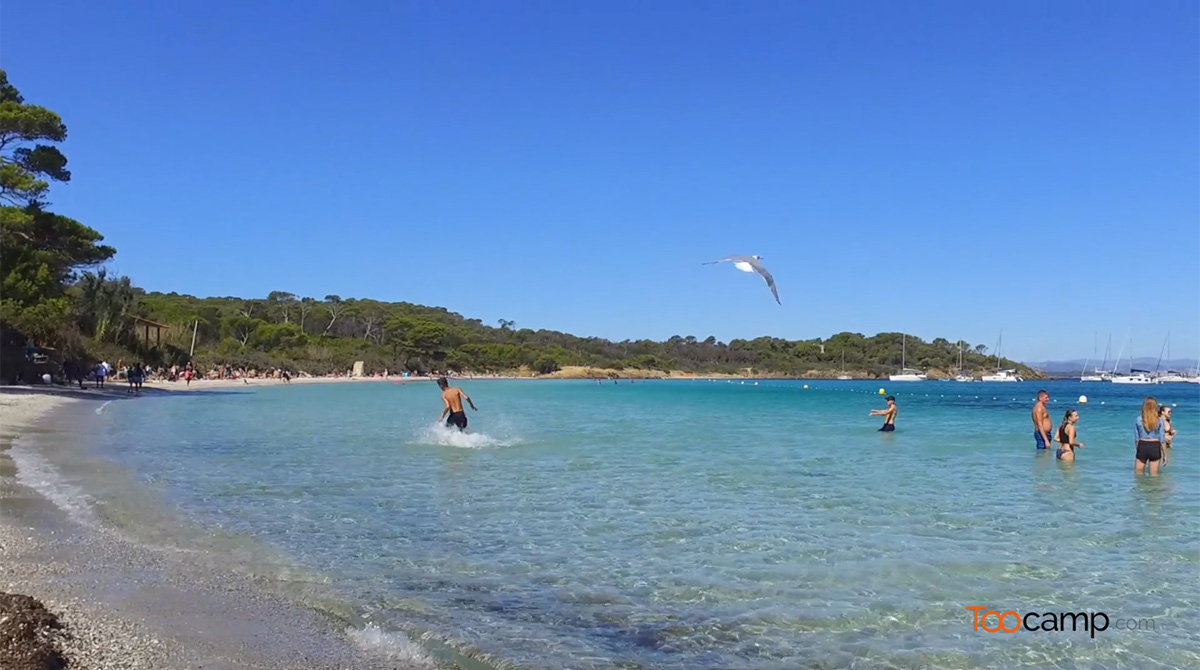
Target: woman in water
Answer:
[[1066, 436], [1150, 436], [1164, 413]]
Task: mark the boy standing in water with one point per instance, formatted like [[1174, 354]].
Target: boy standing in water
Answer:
[[889, 415], [453, 398]]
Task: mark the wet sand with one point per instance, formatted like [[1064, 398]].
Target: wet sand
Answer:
[[125, 605]]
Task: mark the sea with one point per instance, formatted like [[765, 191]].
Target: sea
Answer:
[[698, 524]]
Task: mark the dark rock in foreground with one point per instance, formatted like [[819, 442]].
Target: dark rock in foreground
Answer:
[[28, 635]]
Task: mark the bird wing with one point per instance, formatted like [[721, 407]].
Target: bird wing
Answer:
[[746, 259], [769, 279]]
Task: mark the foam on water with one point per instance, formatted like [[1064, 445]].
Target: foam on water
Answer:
[[444, 436], [392, 645], [40, 475]]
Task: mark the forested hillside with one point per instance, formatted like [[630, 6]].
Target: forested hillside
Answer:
[[328, 334], [55, 305]]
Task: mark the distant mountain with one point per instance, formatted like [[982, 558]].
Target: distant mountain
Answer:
[[1180, 364]]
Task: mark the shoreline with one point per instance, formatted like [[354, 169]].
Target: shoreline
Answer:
[[117, 389], [123, 604]]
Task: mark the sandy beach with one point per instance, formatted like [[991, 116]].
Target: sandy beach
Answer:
[[122, 605]]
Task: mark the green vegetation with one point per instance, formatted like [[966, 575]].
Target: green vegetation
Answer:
[[50, 295], [326, 335]]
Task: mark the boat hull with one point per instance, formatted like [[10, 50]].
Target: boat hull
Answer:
[[1173, 379], [1135, 379], [907, 378]]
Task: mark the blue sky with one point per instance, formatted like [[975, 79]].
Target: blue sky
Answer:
[[941, 168]]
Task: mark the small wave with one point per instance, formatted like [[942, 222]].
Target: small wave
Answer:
[[38, 474], [393, 645], [443, 436]]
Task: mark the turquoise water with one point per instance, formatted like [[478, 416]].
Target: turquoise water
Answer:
[[696, 524]]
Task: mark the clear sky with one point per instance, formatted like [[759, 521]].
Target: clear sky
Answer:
[[942, 168]]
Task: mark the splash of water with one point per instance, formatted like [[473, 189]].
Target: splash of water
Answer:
[[444, 436], [393, 645]]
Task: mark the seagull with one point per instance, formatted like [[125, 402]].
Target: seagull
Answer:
[[751, 264]]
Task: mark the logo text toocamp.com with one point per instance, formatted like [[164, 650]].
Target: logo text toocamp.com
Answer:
[[1012, 621]]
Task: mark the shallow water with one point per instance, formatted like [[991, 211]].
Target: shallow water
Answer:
[[681, 524]]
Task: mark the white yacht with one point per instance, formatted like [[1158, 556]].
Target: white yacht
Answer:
[[1003, 376], [844, 376], [962, 376], [1099, 374], [1134, 377], [1172, 377], [907, 374]]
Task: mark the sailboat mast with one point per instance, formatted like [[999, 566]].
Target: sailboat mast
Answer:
[[1095, 343], [1166, 343]]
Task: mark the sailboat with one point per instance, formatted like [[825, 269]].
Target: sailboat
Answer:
[[962, 375], [844, 376], [1009, 375], [1134, 376], [1084, 376], [1100, 374], [1170, 376], [906, 374]]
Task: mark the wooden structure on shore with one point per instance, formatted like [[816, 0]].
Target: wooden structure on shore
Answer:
[[146, 325]]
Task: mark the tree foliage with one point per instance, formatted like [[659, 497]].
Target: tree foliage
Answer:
[[27, 161], [41, 253], [404, 336]]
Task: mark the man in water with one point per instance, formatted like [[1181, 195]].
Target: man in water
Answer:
[[454, 397], [1042, 423], [889, 415]]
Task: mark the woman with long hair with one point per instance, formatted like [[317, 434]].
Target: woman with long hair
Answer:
[[1066, 436], [1150, 435]]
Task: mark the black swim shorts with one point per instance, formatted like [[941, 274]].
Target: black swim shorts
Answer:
[[1149, 450], [458, 420]]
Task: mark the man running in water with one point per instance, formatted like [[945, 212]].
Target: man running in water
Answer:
[[1042, 423], [889, 415], [454, 397]]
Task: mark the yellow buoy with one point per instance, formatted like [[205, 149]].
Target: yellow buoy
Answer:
[[882, 392], [1082, 400], [806, 386]]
